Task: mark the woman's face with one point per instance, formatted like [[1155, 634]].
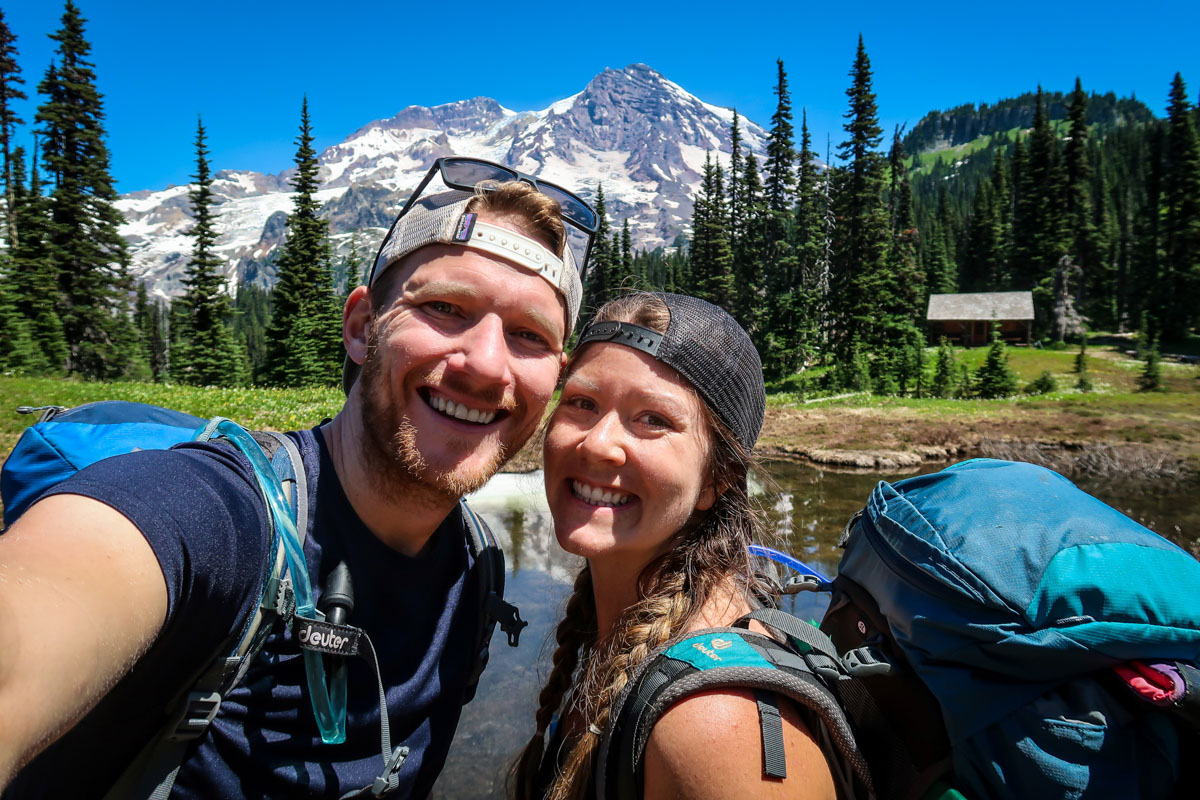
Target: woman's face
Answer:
[[627, 456]]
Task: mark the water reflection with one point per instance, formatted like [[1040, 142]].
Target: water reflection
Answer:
[[806, 507]]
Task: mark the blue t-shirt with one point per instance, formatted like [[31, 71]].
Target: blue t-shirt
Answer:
[[199, 507]]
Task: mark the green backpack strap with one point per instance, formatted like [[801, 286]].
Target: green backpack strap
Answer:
[[152, 772]]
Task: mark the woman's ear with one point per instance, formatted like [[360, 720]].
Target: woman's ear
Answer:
[[708, 497]]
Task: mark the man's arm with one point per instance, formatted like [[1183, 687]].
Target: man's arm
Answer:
[[82, 597], [709, 746]]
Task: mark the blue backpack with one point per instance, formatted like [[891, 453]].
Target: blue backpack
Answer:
[[65, 441], [1017, 613]]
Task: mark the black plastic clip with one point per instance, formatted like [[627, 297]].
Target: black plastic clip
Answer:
[[507, 616]]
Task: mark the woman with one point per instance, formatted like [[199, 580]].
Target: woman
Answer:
[[647, 457]]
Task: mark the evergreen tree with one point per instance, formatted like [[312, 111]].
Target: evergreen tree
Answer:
[[18, 353], [995, 377], [252, 318], [781, 157], [628, 269], [598, 289], [85, 249], [208, 355], [304, 340], [945, 371], [1081, 356], [150, 316], [859, 269], [1151, 378], [1181, 221], [711, 259], [906, 299], [1086, 244], [737, 203], [10, 82], [1039, 229], [33, 278]]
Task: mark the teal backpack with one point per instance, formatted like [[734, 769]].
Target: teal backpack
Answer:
[[993, 632], [64, 441]]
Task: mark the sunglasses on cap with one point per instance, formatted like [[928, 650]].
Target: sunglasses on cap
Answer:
[[469, 174]]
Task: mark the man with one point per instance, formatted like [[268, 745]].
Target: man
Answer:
[[120, 582]]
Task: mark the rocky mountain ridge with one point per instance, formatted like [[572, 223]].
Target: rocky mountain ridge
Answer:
[[641, 136]]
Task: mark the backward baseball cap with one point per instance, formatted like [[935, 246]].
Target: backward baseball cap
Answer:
[[443, 218]]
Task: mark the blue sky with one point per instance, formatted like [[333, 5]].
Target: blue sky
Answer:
[[245, 65]]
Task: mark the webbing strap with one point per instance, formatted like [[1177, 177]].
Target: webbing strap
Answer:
[[799, 631], [771, 724]]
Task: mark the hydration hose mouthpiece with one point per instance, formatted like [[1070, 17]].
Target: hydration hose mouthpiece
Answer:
[[337, 601]]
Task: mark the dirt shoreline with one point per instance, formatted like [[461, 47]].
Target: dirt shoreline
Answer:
[[1150, 443]]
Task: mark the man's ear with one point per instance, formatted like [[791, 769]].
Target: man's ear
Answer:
[[356, 324]]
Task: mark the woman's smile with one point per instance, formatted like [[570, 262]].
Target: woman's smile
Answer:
[[626, 455]]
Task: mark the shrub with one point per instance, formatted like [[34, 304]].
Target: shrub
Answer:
[[995, 377], [1042, 384]]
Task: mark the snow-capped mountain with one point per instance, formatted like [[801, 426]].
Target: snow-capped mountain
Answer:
[[640, 135]]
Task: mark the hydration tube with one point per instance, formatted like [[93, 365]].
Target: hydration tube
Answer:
[[787, 560], [329, 704]]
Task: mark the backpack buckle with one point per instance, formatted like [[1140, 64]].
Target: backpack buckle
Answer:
[[866, 662], [507, 616], [195, 717]]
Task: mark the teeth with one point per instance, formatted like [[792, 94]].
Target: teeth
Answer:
[[597, 496], [460, 411]]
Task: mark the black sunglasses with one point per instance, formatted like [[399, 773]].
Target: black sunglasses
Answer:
[[467, 174]]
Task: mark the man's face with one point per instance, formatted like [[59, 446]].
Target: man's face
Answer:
[[460, 366]]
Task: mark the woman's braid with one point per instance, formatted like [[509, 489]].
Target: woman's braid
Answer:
[[575, 632]]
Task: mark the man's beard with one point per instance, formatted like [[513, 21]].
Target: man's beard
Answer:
[[393, 460]]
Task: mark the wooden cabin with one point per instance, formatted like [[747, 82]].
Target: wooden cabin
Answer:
[[966, 319]]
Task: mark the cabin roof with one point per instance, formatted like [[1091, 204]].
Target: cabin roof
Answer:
[[980, 306]]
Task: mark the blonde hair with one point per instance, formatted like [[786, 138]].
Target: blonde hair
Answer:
[[672, 591]]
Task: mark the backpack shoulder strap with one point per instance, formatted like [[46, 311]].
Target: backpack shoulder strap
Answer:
[[732, 658], [489, 571], [152, 773]]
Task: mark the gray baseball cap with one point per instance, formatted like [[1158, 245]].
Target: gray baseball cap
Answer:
[[443, 218]]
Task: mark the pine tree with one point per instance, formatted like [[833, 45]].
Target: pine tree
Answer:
[[83, 243], [711, 260], [630, 277], [18, 353], [208, 355], [304, 340], [781, 156], [737, 203], [150, 316], [1151, 378], [252, 318], [995, 377], [1181, 222], [10, 81], [1040, 239], [945, 371], [859, 269], [598, 289], [33, 278], [1086, 243]]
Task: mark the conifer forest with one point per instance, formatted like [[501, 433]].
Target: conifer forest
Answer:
[[827, 253]]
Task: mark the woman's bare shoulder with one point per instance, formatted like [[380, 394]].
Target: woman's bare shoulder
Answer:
[[709, 745]]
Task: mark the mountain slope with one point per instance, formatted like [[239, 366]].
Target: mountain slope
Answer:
[[640, 135]]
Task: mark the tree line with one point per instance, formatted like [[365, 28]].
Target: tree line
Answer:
[[1097, 213], [68, 306], [823, 263]]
